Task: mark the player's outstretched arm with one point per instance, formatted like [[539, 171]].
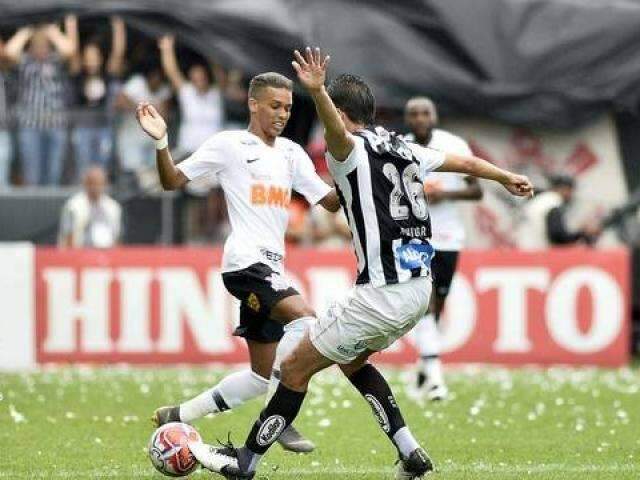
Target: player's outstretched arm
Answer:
[[312, 70], [154, 125], [518, 185]]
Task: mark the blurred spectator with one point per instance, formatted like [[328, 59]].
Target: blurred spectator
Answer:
[[544, 222], [43, 87], [6, 146], [91, 218], [96, 87], [316, 148], [299, 227], [136, 149], [234, 86], [329, 230], [200, 99]]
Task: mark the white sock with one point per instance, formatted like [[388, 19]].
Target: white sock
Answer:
[[231, 391], [432, 368], [427, 336], [403, 439], [293, 333]]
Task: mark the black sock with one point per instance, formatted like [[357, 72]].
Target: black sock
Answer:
[[375, 389], [279, 413]]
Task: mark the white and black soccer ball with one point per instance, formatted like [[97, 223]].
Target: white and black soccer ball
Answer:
[[169, 452]]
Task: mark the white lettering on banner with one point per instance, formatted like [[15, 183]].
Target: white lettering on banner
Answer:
[[327, 284], [459, 321], [183, 301], [607, 312], [512, 285], [135, 294], [65, 310]]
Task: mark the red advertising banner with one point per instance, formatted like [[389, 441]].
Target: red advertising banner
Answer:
[[169, 305]]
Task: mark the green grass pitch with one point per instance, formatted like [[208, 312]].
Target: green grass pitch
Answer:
[[560, 423]]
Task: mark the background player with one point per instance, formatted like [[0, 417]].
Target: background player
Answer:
[[379, 180], [444, 190], [257, 170]]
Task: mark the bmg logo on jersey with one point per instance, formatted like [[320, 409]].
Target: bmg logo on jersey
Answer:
[[270, 195]]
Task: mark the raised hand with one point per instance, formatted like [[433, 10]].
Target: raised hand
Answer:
[[311, 69], [150, 120], [166, 42], [519, 185]]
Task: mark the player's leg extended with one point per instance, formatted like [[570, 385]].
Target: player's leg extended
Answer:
[[296, 316], [296, 371], [232, 391], [374, 388]]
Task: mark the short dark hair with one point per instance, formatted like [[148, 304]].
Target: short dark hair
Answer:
[[353, 96], [268, 79]]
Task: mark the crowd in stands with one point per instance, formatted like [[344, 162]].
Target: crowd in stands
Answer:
[[66, 101], [67, 97]]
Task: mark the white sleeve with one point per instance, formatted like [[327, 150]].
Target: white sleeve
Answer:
[[351, 162], [429, 158], [462, 148], [306, 181], [208, 160]]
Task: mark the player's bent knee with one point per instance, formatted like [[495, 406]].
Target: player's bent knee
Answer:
[[293, 374]]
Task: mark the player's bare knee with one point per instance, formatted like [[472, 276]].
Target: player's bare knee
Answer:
[[293, 374]]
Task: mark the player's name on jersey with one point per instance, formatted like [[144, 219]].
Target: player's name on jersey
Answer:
[[415, 232], [270, 195]]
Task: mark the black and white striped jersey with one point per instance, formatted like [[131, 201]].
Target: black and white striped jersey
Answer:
[[381, 191]]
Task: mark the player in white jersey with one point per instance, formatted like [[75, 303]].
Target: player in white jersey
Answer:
[[257, 170], [380, 182], [444, 191]]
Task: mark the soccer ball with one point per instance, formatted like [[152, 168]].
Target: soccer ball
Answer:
[[169, 452]]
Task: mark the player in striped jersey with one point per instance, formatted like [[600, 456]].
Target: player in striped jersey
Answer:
[[379, 179]]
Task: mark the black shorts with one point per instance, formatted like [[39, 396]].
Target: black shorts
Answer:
[[258, 290], [443, 266]]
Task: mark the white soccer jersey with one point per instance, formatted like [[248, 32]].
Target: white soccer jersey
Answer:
[[257, 180], [446, 221]]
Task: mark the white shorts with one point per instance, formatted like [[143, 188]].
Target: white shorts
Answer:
[[370, 318]]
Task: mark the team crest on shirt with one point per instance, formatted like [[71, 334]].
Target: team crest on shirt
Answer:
[[278, 282], [253, 303]]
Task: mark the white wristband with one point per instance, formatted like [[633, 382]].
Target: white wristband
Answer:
[[163, 142]]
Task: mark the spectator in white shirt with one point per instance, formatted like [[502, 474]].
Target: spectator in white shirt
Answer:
[[91, 218], [200, 99]]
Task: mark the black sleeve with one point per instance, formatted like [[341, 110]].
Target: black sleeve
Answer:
[[557, 232]]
